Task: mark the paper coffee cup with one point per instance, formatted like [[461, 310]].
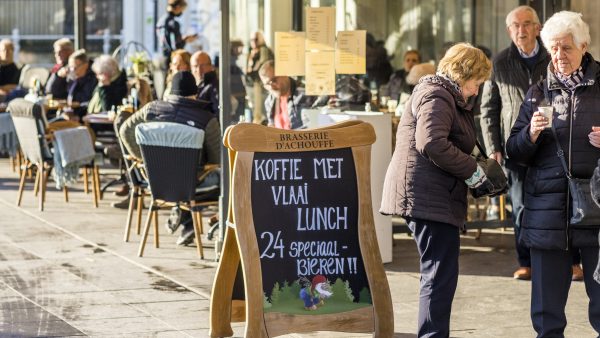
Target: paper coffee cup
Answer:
[[548, 112]]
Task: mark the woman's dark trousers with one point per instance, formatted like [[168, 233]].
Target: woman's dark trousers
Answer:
[[438, 245]]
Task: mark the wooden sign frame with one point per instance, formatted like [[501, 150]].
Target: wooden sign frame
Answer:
[[240, 245]]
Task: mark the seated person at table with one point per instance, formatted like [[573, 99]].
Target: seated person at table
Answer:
[[180, 61], [183, 107], [112, 85], [9, 72], [207, 80], [63, 48], [78, 84], [286, 99]]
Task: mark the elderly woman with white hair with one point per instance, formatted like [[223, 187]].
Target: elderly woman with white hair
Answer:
[[112, 84], [573, 91]]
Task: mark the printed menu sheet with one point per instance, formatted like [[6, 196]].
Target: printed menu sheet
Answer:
[[289, 53], [350, 53], [320, 73], [320, 28]]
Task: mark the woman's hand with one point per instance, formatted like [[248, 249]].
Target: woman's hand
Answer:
[[538, 123], [594, 137]]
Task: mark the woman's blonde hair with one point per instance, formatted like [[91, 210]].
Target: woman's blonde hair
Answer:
[[184, 55], [464, 62]]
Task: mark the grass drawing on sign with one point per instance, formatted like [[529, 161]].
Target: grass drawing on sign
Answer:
[[314, 296]]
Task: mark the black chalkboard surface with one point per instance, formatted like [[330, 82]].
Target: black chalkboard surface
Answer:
[[305, 210], [300, 223]]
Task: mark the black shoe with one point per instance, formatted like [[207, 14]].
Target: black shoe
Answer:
[[174, 220], [124, 204], [186, 237]]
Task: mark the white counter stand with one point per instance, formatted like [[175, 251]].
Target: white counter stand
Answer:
[[381, 153]]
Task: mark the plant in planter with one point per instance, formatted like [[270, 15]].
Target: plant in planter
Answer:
[[139, 62]]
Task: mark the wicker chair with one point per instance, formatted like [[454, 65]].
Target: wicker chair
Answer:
[[171, 154]]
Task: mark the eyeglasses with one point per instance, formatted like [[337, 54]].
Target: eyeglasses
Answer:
[[517, 26]]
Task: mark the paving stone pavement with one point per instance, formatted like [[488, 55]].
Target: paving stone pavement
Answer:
[[67, 272]]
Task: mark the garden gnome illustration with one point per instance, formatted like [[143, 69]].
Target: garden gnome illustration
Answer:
[[313, 293]]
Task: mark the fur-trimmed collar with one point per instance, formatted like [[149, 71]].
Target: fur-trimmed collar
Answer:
[[441, 81]]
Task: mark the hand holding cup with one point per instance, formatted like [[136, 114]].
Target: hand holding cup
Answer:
[[540, 120], [594, 136]]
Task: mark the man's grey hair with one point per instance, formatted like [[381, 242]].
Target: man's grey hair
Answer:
[[566, 23], [529, 9], [105, 64]]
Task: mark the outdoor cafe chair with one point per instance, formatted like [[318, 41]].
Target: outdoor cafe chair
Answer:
[[35, 143], [171, 153], [30, 128]]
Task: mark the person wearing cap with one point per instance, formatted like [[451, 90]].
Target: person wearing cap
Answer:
[[168, 30], [181, 106]]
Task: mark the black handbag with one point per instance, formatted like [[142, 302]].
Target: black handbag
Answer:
[[496, 183], [585, 213]]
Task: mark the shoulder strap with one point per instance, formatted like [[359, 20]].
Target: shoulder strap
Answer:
[[559, 152]]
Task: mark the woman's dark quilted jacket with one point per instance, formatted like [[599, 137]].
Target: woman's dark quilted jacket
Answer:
[[425, 178], [544, 224]]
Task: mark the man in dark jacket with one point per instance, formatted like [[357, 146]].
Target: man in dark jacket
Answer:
[[207, 80], [398, 84], [515, 69], [182, 106]]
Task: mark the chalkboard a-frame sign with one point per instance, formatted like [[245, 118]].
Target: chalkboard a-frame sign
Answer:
[[301, 225]]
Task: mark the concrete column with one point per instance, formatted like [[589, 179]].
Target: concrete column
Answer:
[[278, 18]]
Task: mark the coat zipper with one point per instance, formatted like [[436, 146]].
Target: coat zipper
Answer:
[[570, 159]]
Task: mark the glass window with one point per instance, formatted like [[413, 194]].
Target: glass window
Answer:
[[37, 24]]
